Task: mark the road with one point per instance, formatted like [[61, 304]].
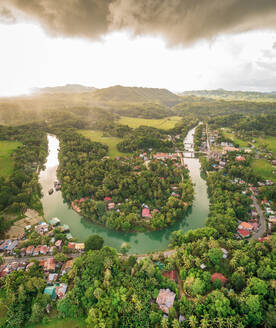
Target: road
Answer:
[[262, 222], [10, 259]]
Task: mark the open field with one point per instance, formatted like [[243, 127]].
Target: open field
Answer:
[[264, 169], [230, 135], [164, 123], [6, 162], [111, 142], [61, 323], [269, 141]]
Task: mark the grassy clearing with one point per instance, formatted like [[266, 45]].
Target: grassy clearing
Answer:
[[164, 123], [6, 162], [269, 141], [263, 168], [111, 142], [61, 323], [230, 135]]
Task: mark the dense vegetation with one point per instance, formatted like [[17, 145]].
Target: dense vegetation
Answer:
[[146, 137], [128, 182], [21, 190], [233, 95], [247, 126], [198, 136], [204, 108], [113, 291]]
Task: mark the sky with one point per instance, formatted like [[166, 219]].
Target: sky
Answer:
[[64, 48]]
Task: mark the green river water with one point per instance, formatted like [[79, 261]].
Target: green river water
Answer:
[[141, 243]]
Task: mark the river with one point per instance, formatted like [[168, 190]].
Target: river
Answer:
[[141, 243]]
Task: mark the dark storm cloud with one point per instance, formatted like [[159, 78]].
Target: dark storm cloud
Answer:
[[179, 21]]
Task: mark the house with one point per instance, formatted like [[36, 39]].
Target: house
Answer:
[[254, 213], [246, 226], [50, 290], [170, 274], [272, 219], [52, 278], [11, 246], [111, 206], [36, 251], [65, 228], [202, 266], [4, 245], [165, 300], [30, 265], [69, 236], [225, 253], [58, 243], [79, 246], [107, 199], [229, 148], [23, 252], [54, 221], [51, 250], [265, 202], [66, 267], [42, 228], [28, 227], [49, 264], [146, 213], [29, 250], [61, 290], [243, 233], [239, 158], [71, 246], [220, 277], [44, 250]]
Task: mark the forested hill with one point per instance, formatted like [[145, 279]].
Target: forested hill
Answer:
[[134, 94], [232, 95], [68, 88]]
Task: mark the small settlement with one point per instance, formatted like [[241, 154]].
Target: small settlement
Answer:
[[223, 152], [22, 254]]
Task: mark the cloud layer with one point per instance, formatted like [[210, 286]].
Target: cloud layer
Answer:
[[179, 21]]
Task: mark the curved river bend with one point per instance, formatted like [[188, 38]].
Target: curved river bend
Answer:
[[141, 243]]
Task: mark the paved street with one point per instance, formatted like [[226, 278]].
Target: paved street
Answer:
[[9, 259], [262, 228]]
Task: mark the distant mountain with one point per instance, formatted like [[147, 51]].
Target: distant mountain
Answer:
[[231, 95], [136, 95], [68, 88]]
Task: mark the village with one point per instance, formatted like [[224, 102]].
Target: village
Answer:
[[50, 256]]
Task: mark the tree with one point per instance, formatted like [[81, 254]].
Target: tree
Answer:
[[125, 247], [94, 242], [60, 257], [215, 255]]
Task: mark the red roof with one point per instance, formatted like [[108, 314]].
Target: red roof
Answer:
[[246, 226], [170, 274], [146, 213], [243, 233], [261, 240], [220, 277], [71, 245], [107, 198]]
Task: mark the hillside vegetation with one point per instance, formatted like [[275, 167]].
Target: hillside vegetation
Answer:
[[232, 95], [134, 94]]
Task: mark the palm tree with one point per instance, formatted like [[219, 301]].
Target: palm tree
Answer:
[[193, 321]]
